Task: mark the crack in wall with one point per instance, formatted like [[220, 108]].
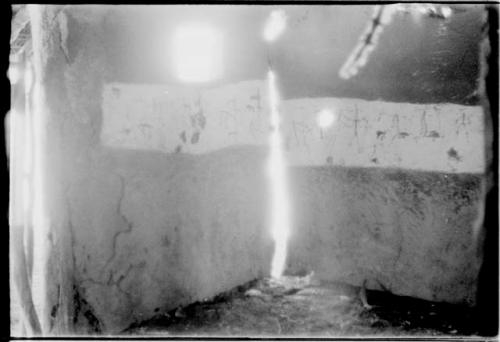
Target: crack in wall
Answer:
[[70, 225], [84, 308], [397, 259], [80, 305], [117, 284], [106, 284], [124, 218], [79, 302], [124, 274], [63, 35]]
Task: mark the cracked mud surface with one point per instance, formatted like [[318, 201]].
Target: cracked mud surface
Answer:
[[301, 307]]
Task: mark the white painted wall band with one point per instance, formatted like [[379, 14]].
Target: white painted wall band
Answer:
[[428, 137]]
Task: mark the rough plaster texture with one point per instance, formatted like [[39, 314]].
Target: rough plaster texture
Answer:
[[408, 232], [431, 137], [362, 210], [131, 230], [177, 229], [130, 234]]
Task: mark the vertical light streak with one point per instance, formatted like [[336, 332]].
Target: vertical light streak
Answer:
[[28, 143], [39, 213], [274, 27], [40, 217], [15, 164], [278, 178]]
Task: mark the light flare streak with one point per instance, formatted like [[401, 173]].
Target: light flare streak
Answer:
[[40, 215], [280, 212], [280, 220]]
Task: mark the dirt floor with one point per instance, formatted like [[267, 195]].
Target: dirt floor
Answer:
[[302, 307]]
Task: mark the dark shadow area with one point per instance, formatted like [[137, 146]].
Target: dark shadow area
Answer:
[[410, 314], [302, 306], [488, 287]]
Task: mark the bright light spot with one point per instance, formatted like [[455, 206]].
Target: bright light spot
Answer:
[[422, 9], [14, 74], [446, 11], [197, 53], [325, 118], [275, 25], [279, 194], [388, 12]]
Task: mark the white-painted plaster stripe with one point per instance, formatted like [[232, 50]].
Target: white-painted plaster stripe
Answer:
[[429, 137]]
